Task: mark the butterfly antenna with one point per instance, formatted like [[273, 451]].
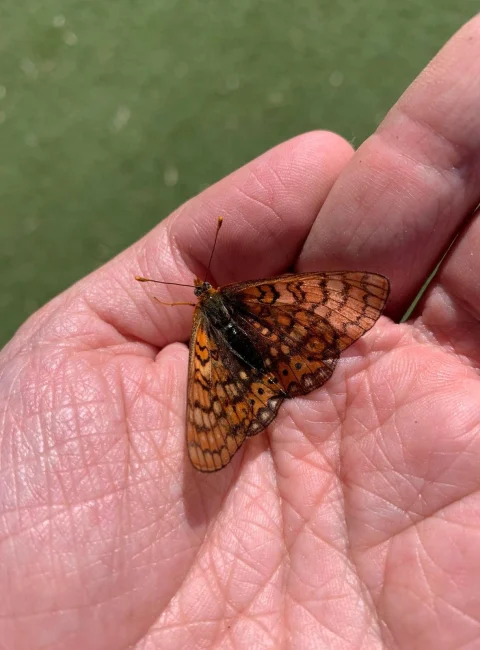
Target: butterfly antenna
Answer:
[[219, 225], [140, 278]]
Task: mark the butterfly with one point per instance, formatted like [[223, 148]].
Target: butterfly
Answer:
[[257, 343]]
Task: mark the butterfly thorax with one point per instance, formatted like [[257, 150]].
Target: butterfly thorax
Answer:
[[214, 307], [223, 324]]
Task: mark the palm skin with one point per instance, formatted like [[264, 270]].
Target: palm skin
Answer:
[[354, 521]]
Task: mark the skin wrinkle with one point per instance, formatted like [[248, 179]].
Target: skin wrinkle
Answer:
[[270, 232], [427, 557], [270, 190], [48, 469], [257, 526], [76, 575], [305, 609], [392, 416], [289, 422], [256, 621], [429, 165], [371, 401], [214, 582], [291, 418], [80, 505], [458, 611], [421, 561], [238, 557], [308, 461], [312, 405], [181, 257], [367, 239], [12, 415], [410, 227], [128, 448], [265, 204], [77, 337], [176, 252], [81, 448], [413, 525], [448, 506], [355, 232], [369, 606], [192, 264], [163, 342], [368, 599], [394, 506], [328, 543], [369, 610], [306, 526], [239, 560], [284, 555], [50, 489], [390, 483], [133, 399], [459, 303], [429, 336], [87, 474], [265, 170], [461, 154], [363, 365], [153, 527], [198, 554], [283, 184], [231, 610], [454, 460], [173, 415], [107, 319]]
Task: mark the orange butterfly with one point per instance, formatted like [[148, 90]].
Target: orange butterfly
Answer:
[[254, 344]]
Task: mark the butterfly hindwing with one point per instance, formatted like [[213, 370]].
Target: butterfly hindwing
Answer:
[[301, 322], [294, 346], [227, 399]]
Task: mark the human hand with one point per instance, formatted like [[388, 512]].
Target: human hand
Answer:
[[353, 521]]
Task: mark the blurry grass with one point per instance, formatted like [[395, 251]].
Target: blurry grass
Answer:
[[114, 113]]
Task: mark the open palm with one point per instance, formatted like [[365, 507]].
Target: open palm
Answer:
[[354, 521]]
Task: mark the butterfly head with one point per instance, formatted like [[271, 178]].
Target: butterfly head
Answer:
[[202, 287]]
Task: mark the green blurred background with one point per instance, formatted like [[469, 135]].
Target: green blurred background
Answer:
[[112, 113]]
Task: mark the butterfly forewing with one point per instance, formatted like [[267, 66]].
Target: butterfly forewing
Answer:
[[347, 303], [227, 400], [298, 325]]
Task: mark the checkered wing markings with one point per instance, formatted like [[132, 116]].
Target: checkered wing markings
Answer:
[[227, 401], [295, 351], [301, 323]]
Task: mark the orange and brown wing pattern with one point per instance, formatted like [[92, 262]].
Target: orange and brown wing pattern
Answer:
[[227, 401], [301, 323]]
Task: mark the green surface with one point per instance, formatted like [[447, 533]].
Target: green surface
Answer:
[[113, 113]]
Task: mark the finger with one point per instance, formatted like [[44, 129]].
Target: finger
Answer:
[[450, 309], [268, 208], [406, 192]]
